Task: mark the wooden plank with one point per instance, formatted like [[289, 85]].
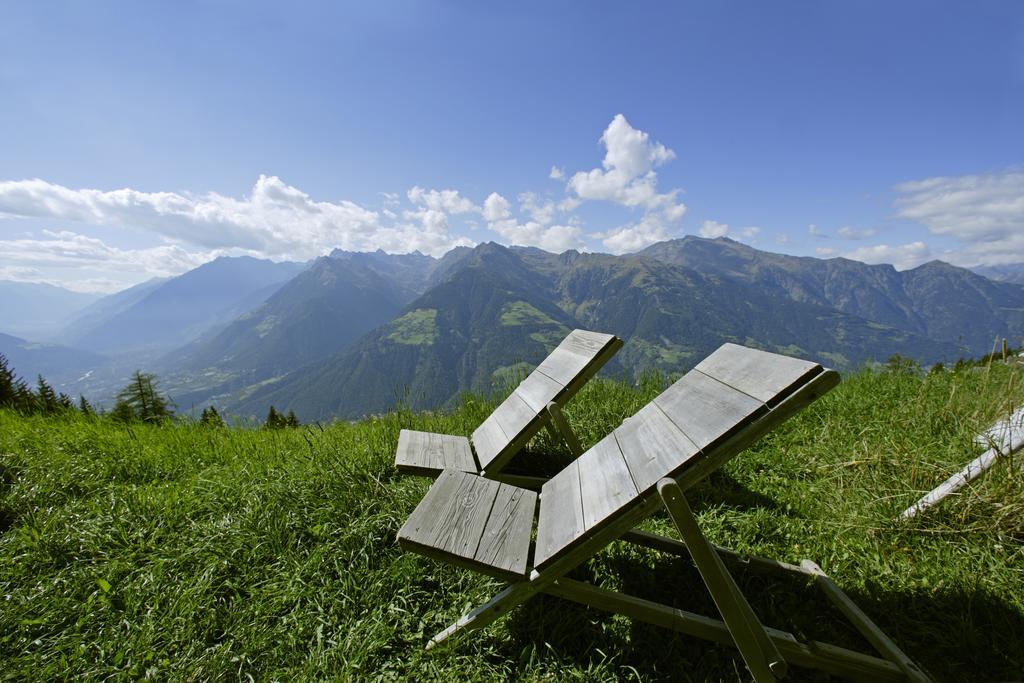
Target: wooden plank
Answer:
[[563, 365], [452, 516], [768, 377], [505, 543], [561, 513], [537, 390], [1005, 435], [428, 453], [513, 416], [488, 441], [653, 446], [605, 483], [706, 410], [585, 342]]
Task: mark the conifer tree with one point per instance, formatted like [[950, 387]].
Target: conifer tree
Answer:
[[274, 419], [8, 395], [47, 400], [123, 412], [211, 418], [291, 420], [84, 406], [142, 397]]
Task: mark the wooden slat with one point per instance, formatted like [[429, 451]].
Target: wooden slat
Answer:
[[605, 483], [513, 416], [505, 543], [585, 342], [561, 513], [537, 390], [488, 440], [452, 516], [653, 446], [428, 453], [563, 365], [768, 377], [705, 409]]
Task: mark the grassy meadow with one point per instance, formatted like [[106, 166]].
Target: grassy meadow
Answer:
[[184, 552]]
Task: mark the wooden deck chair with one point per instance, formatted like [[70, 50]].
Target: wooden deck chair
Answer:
[[534, 404], [719, 408]]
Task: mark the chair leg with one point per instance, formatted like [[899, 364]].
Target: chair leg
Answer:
[[562, 428], [487, 613], [758, 651]]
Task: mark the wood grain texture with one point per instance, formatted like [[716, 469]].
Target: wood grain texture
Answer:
[[428, 453], [705, 409], [488, 441], [768, 377], [505, 543], [452, 516], [537, 390], [653, 446], [561, 513], [563, 365], [586, 343], [605, 483], [513, 416]]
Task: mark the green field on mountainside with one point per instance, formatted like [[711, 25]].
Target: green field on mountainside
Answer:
[[189, 552]]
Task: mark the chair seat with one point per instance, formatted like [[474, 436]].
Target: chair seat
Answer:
[[476, 522], [428, 453]]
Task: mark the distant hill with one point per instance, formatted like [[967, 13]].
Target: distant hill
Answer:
[[500, 310], [30, 359], [1013, 272], [490, 317], [36, 310], [319, 312], [96, 314], [179, 310], [935, 300]]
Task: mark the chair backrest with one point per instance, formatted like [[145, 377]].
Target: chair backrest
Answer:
[[726, 393], [557, 378]]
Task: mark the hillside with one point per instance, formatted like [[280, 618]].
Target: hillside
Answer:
[[180, 309], [935, 300], [499, 309], [37, 310], [223, 554]]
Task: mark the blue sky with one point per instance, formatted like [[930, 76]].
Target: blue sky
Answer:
[[141, 139]]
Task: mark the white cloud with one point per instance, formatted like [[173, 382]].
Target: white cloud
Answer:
[[541, 212], [556, 173], [814, 231], [627, 176], [713, 229], [825, 252], [750, 232], [985, 212], [848, 232], [85, 261], [556, 238], [630, 238], [901, 256], [276, 220]]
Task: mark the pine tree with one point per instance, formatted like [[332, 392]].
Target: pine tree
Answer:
[[24, 400], [211, 418], [143, 398], [291, 420], [275, 420], [123, 412], [84, 406], [47, 400], [8, 395]]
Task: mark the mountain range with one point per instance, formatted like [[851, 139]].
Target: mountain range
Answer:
[[351, 333]]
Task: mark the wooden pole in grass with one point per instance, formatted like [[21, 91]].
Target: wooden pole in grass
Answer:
[[1004, 438]]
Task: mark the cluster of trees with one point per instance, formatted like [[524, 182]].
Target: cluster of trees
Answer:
[[139, 401], [43, 400]]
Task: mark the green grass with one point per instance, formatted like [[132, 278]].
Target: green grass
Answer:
[[524, 313], [418, 328], [185, 553]]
